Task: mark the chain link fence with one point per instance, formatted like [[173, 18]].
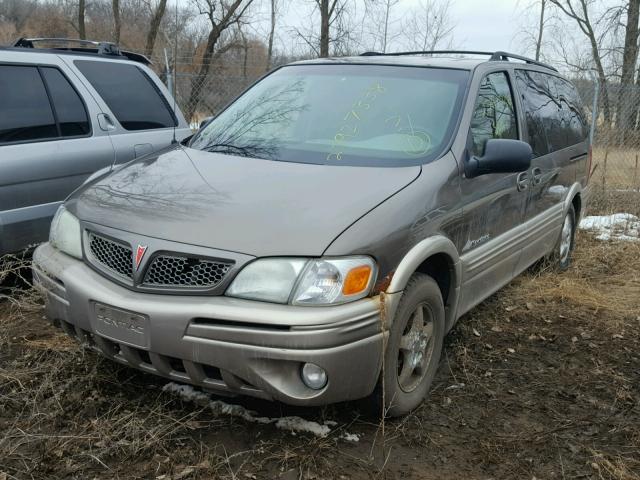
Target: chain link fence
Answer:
[[615, 182]]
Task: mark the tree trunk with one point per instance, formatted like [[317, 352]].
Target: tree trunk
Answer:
[[627, 102], [386, 26], [156, 20], [115, 5], [81, 28], [324, 28], [230, 17], [245, 54], [271, 34], [540, 29]]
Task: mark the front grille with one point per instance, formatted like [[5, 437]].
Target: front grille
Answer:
[[116, 257], [177, 271]]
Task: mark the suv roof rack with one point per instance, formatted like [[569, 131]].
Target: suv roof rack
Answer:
[[84, 46], [493, 56]]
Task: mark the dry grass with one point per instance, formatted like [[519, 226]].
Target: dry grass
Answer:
[[615, 183]]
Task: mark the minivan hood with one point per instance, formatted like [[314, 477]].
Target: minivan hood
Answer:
[[246, 205]]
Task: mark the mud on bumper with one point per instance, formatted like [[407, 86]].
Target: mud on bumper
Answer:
[[225, 345]]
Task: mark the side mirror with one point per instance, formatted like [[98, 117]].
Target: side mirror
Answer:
[[500, 156], [204, 122]]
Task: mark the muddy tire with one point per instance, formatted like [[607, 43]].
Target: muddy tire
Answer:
[[566, 241], [414, 347]]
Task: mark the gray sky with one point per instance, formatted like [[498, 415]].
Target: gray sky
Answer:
[[480, 24]]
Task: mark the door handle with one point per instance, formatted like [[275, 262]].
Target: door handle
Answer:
[[537, 176], [522, 181]]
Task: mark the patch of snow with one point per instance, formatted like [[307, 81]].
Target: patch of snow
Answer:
[[350, 437], [218, 407], [297, 424], [619, 226]]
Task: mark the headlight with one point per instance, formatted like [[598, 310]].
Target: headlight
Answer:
[[303, 281], [65, 233]]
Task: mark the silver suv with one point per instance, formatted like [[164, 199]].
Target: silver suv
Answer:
[[315, 241], [66, 112]]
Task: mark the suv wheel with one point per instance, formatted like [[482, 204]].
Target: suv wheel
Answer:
[[414, 347], [566, 242]]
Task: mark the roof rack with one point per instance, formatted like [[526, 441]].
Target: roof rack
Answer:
[[493, 56], [84, 46]]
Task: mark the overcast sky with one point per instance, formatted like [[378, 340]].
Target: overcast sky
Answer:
[[480, 24]]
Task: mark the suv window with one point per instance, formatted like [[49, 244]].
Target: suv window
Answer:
[[25, 111], [554, 115], [494, 115], [130, 94], [574, 119], [68, 106]]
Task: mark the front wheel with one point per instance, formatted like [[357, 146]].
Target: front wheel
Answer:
[[414, 347]]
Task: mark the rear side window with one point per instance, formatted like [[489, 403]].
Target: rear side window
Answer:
[[494, 115], [542, 111], [573, 114], [553, 112], [68, 106], [25, 111], [129, 93]]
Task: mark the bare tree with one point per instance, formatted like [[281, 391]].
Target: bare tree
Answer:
[[543, 3], [272, 30], [222, 16], [336, 32], [429, 26], [82, 33], [627, 110], [380, 22], [156, 19], [328, 11], [117, 26], [578, 11]]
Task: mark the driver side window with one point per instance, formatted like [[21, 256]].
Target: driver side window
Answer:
[[494, 115]]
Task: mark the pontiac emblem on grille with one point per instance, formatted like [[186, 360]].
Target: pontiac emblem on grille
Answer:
[[140, 251]]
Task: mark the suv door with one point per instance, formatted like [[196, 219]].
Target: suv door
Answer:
[[554, 129], [49, 145], [141, 120], [493, 204]]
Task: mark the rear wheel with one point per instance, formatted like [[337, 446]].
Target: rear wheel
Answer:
[[566, 242], [414, 347]]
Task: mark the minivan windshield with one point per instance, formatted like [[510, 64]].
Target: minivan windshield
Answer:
[[341, 114]]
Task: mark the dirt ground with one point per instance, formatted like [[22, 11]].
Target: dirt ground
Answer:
[[541, 381]]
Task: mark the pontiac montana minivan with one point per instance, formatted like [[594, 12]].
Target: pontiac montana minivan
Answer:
[[337, 217]]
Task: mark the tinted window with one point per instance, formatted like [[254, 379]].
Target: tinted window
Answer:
[[25, 111], [554, 114], [494, 114], [574, 118], [130, 94], [341, 115], [68, 106]]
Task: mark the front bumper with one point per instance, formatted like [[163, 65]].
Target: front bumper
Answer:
[[226, 345]]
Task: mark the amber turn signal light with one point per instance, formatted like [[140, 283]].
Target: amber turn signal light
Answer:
[[356, 280]]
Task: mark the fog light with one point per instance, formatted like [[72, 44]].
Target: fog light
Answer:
[[313, 376]]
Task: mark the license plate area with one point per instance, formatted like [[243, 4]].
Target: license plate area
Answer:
[[121, 325]]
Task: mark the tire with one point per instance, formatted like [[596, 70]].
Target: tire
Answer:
[[566, 241], [414, 347]]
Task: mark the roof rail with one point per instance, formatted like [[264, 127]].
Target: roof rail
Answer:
[[86, 46], [493, 56], [506, 56]]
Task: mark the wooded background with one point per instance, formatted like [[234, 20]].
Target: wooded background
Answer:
[[213, 49]]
